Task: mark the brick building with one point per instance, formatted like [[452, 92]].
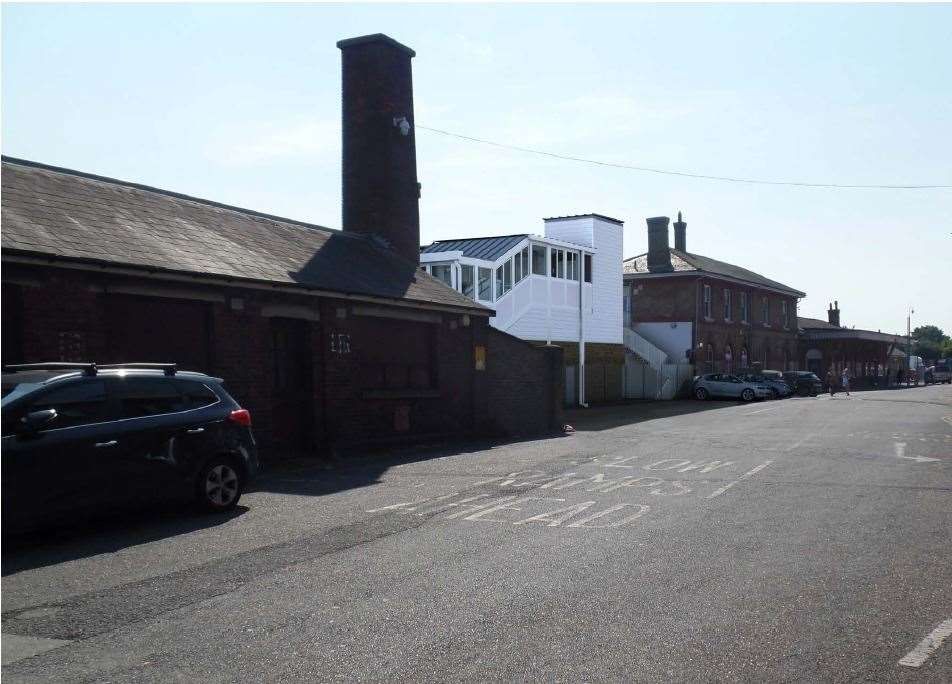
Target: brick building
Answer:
[[721, 317], [870, 356], [328, 337]]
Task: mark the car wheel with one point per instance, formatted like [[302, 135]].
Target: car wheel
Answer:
[[701, 393], [219, 485], [747, 394], [774, 394]]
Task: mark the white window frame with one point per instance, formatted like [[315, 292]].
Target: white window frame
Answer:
[[765, 311], [545, 260], [491, 279], [784, 312], [449, 266], [744, 307], [727, 305], [462, 268], [707, 302]]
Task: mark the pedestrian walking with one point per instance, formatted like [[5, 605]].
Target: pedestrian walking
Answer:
[[831, 380], [845, 381]]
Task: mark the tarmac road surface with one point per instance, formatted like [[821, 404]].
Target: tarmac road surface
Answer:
[[803, 539]]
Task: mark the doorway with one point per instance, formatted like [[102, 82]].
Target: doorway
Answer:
[[292, 407]]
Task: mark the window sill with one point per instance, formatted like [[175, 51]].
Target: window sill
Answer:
[[708, 320], [401, 394]]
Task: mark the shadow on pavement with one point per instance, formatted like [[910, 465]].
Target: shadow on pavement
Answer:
[[93, 536], [362, 468], [631, 412], [109, 532]]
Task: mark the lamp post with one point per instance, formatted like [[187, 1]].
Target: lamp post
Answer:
[[909, 343]]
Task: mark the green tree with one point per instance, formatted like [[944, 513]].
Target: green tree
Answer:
[[929, 342]]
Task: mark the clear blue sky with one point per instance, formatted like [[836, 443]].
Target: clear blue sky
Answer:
[[241, 104]]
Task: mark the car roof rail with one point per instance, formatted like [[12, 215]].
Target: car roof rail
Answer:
[[87, 368], [167, 368]]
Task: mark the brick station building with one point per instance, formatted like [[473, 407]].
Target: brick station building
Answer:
[[721, 317], [872, 357], [328, 337]]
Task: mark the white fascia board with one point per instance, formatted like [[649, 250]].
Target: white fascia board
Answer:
[[430, 257], [552, 242], [518, 247]]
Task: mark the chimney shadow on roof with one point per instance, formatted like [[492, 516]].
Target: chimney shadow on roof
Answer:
[[354, 264]]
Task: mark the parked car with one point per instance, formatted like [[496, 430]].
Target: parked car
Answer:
[[81, 438], [726, 385], [804, 383], [773, 380], [942, 371]]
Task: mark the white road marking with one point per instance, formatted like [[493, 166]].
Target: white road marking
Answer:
[[920, 654], [901, 450], [798, 442], [921, 459], [753, 471], [760, 411]]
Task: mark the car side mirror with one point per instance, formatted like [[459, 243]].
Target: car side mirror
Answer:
[[37, 420]]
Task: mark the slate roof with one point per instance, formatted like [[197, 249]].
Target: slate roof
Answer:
[[815, 324], [488, 248], [64, 214], [684, 262], [818, 329]]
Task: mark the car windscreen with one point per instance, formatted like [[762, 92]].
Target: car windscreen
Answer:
[[13, 391]]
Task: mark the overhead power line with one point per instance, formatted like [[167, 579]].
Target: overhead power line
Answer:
[[685, 174]]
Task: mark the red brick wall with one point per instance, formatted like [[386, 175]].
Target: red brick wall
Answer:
[[65, 316], [680, 298], [663, 299], [521, 377]]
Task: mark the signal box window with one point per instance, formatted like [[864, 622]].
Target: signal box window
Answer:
[[538, 260]]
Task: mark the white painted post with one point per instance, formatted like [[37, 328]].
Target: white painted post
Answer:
[[581, 332], [548, 295]]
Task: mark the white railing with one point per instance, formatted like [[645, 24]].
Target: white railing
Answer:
[[652, 355], [516, 314]]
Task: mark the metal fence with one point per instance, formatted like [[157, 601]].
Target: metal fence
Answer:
[[642, 381]]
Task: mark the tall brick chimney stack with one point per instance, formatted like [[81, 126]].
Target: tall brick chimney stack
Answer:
[[680, 234], [380, 190], [833, 314], [659, 256]]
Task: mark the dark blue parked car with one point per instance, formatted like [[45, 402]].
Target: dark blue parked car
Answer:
[[77, 438]]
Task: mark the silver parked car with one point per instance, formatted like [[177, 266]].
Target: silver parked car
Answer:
[[773, 380], [726, 385]]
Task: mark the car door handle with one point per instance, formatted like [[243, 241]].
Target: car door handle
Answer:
[[194, 431], [110, 443]]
